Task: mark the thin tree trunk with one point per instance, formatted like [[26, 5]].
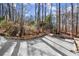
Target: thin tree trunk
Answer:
[[38, 12], [6, 14], [66, 18], [59, 19], [72, 17], [45, 11], [21, 22], [51, 18], [62, 21], [12, 11], [9, 10], [72, 25], [42, 12], [56, 18], [35, 10], [77, 21], [2, 9]]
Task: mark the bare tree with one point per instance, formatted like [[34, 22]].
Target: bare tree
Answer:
[[38, 13], [72, 26], [35, 10], [42, 12], [77, 20], [2, 9], [21, 22], [9, 10], [66, 17], [51, 18], [58, 17], [12, 11], [51, 12], [6, 12], [72, 17], [45, 11]]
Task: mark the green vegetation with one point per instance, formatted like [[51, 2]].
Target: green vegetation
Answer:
[[2, 18], [5, 24]]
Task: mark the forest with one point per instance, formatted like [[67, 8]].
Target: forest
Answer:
[[27, 21]]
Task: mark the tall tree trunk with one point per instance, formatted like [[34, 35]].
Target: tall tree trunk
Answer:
[[35, 11], [6, 13], [38, 16], [38, 13], [56, 18], [12, 11], [21, 22], [42, 12], [62, 19], [59, 19], [42, 16], [51, 12], [72, 17], [9, 10], [72, 26], [51, 18], [66, 18], [2, 9], [45, 11], [45, 14], [77, 20]]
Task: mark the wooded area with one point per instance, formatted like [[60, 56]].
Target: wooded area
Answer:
[[13, 21], [26, 21]]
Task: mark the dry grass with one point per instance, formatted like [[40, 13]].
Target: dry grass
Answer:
[[10, 29]]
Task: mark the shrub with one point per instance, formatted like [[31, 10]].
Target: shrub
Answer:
[[5, 24], [2, 18]]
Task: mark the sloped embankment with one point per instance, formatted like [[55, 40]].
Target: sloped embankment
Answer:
[[10, 29]]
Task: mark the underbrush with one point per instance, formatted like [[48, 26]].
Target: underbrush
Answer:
[[6, 25]]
